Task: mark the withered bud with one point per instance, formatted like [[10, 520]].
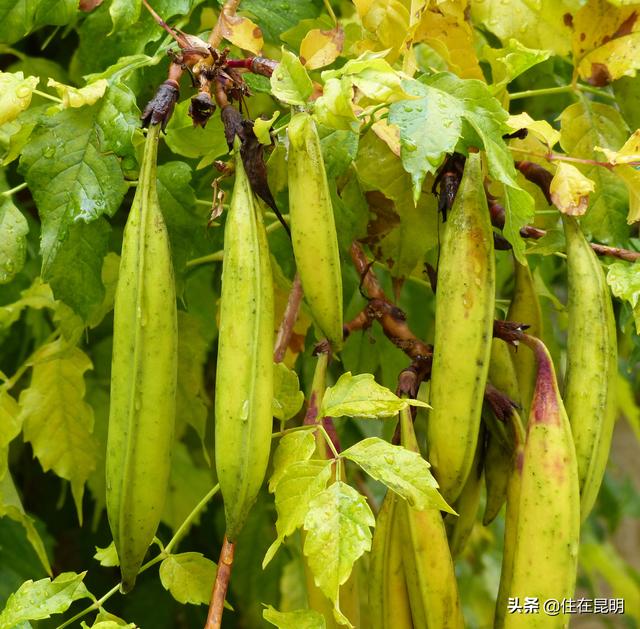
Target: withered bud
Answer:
[[201, 109], [160, 107]]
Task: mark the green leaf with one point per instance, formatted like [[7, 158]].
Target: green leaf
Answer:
[[333, 109], [287, 397], [13, 240], [624, 280], [293, 447], [37, 296], [108, 557], [188, 484], [16, 19], [10, 427], [109, 276], [290, 82], [11, 507], [56, 419], [278, 16], [296, 619], [15, 94], [124, 13], [511, 61], [189, 577], [262, 128], [189, 141], [585, 125], [301, 481], [192, 399], [57, 12], [41, 599], [338, 533], [339, 149], [362, 396], [401, 470]]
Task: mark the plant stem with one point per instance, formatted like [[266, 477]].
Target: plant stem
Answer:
[[225, 564], [562, 89], [288, 320], [55, 99], [328, 7], [8, 193], [559, 157], [228, 10]]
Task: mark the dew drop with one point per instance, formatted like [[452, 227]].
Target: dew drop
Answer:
[[244, 413]]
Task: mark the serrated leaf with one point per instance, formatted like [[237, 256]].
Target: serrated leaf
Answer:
[[13, 240], [188, 483], [56, 419], [241, 32], [79, 97], [338, 533], [10, 427], [124, 13], [301, 481], [287, 397], [296, 619], [11, 507], [292, 448], [192, 399], [189, 577], [401, 470], [37, 600], [15, 94], [278, 16], [290, 82], [511, 61], [362, 396], [624, 280], [321, 48], [570, 190], [107, 557]]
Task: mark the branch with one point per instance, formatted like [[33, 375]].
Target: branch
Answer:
[[228, 10], [223, 575], [288, 320]]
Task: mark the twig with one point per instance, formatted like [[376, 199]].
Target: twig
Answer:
[[288, 320], [225, 563], [228, 10], [18, 188]]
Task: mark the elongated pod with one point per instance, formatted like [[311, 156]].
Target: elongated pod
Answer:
[[143, 375], [244, 372], [313, 230], [463, 332], [548, 528], [592, 359]]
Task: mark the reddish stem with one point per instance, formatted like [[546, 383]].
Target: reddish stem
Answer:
[[288, 320], [214, 618]]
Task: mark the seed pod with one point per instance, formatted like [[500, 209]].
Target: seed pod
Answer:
[[463, 332], [591, 363], [143, 375], [548, 530], [244, 372], [313, 230], [525, 308]]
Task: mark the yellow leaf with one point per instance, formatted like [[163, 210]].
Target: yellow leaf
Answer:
[[261, 128], [78, 97], [15, 94], [241, 32], [320, 48], [389, 134], [541, 129], [570, 190], [606, 42], [630, 152], [631, 178], [387, 23]]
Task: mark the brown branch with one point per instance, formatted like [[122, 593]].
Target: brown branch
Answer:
[[225, 563], [288, 320], [228, 10]]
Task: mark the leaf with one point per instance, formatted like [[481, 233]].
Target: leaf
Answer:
[[124, 13], [334, 108], [56, 419], [189, 577], [192, 399], [11, 507], [290, 82], [362, 396], [41, 599], [188, 483], [338, 533], [37, 296], [540, 24], [109, 277], [186, 140], [58, 12], [624, 280], [293, 447], [13, 240], [606, 42], [630, 151], [583, 126], [79, 97], [108, 557], [570, 190], [401, 470], [339, 149], [10, 427], [321, 48], [262, 128], [278, 16], [540, 129], [15, 93], [241, 32], [511, 61], [287, 397], [296, 619], [631, 178], [373, 76], [301, 481]]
